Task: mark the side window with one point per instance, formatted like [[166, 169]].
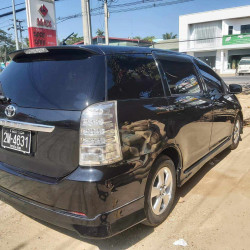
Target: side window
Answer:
[[212, 80], [245, 29], [230, 30], [181, 76], [133, 76]]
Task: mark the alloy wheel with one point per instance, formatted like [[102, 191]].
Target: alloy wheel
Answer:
[[236, 134], [161, 190]]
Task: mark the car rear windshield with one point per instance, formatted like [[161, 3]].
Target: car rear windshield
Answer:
[[59, 80]]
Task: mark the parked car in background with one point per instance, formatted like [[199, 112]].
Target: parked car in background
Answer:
[[244, 66], [96, 139]]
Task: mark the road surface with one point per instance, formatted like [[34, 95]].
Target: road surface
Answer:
[[242, 80]]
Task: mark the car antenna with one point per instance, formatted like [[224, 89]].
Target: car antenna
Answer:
[[64, 40]]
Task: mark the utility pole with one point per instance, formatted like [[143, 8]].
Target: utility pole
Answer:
[[89, 21], [15, 28], [20, 28], [87, 33], [106, 15]]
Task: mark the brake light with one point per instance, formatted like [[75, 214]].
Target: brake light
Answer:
[[36, 51], [99, 135]]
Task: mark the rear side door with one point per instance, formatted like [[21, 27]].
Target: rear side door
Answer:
[[191, 118], [223, 108]]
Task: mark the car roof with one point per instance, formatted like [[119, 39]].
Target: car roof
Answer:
[[123, 49], [98, 50]]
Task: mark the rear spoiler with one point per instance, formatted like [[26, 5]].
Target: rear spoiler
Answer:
[[45, 50]]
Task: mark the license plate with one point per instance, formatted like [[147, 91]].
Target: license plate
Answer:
[[16, 139]]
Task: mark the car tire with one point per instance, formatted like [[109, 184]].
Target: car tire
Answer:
[[236, 132], [160, 191]]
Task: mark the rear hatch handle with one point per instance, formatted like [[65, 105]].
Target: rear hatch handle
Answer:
[[27, 126]]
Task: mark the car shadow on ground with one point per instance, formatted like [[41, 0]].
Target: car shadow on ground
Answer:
[[135, 234]]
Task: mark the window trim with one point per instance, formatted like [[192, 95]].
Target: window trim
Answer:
[[202, 78], [166, 85]]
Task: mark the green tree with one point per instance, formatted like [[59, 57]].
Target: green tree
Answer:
[[7, 45], [74, 39], [100, 32], [26, 42], [149, 38], [170, 35], [137, 37]]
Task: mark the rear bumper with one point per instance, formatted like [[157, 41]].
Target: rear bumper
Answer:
[[111, 203], [244, 71], [102, 226]]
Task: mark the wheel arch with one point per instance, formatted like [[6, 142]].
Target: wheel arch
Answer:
[[242, 120], [173, 152]]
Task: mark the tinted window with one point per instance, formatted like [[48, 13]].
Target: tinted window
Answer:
[[55, 83], [133, 76], [245, 29], [230, 30], [212, 80], [181, 76]]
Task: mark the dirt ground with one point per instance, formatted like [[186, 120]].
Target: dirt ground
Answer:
[[244, 99], [212, 211]]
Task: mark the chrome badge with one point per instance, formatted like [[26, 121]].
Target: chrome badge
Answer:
[[10, 111]]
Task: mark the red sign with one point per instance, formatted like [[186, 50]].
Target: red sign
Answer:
[[44, 23], [40, 37], [43, 10], [41, 21]]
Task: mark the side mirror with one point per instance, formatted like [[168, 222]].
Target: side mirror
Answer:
[[235, 88]]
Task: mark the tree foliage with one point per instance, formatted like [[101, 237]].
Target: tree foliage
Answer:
[[137, 37], [99, 32], [170, 35], [7, 45], [74, 39], [149, 38]]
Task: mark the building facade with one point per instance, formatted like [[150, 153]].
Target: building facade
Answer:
[[220, 37]]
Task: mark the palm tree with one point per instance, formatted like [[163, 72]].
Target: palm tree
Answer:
[[170, 35], [100, 32]]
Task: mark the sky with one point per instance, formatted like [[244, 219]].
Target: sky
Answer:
[[149, 22]]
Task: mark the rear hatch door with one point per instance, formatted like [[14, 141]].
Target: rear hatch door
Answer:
[[42, 96]]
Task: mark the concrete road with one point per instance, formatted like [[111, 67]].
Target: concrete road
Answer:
[[242, 80], [212, 211]]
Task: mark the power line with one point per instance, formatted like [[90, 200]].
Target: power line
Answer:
[[189, 40], [11, 12], [11, 6], [63, 19], [152, 6], [128, 4], [5, 26]]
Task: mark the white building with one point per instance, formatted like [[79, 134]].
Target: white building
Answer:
[[220, 37]]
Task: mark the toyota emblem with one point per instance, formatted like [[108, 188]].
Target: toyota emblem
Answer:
[[10, 111]]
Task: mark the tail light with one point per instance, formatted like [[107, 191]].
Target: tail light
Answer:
[[99, 135]]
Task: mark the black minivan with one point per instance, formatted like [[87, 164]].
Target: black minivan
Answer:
[[96, 139]]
